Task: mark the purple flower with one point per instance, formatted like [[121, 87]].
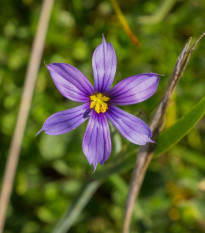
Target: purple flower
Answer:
[[99, 103]]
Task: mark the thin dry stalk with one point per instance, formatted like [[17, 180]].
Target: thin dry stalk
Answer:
[[146, 152], [30, 80]]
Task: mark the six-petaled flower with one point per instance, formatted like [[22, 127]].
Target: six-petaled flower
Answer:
[[99, 103]]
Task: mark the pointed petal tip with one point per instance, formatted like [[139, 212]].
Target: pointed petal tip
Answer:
[[94, 168], [160, 75], [131, 127], [45, 63], [94, 163], [152, 74], [103, 38], [150, 140], [104, 63], [39, 132], [65, 121], [49, 66]]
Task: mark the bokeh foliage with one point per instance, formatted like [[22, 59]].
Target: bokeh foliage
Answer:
[[52, 169]]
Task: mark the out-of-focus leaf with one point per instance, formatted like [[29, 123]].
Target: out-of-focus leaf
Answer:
[[118, 167], [159, 15], [170, 117], [194, 138], [119, 184], [83, 197], [45, 214], [177, 131], [52, 147], [190, 156]]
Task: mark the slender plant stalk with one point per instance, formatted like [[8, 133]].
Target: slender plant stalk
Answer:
[[146, 152], [80, 201], [30, 80]]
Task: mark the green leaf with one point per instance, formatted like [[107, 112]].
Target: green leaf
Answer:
[[81, 200], [176, 132]]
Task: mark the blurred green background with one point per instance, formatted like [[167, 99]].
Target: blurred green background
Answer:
[[52, 169]]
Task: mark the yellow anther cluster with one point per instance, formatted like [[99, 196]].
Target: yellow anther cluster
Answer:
[[98, 102]]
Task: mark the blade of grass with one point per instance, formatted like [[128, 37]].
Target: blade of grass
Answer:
[[81, 200], [176, 132], [124, 23]]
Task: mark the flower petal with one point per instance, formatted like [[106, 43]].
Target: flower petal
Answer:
[[96, 141], [104, 64], [134, 89], [131, 127], [65, 121], [71, 82]]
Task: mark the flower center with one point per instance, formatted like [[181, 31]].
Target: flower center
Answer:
[[98, 101]]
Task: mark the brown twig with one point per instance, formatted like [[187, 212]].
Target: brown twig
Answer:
[[146, 152], [31, 74]]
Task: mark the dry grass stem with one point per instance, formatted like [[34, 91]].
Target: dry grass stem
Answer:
[[25, 104]]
